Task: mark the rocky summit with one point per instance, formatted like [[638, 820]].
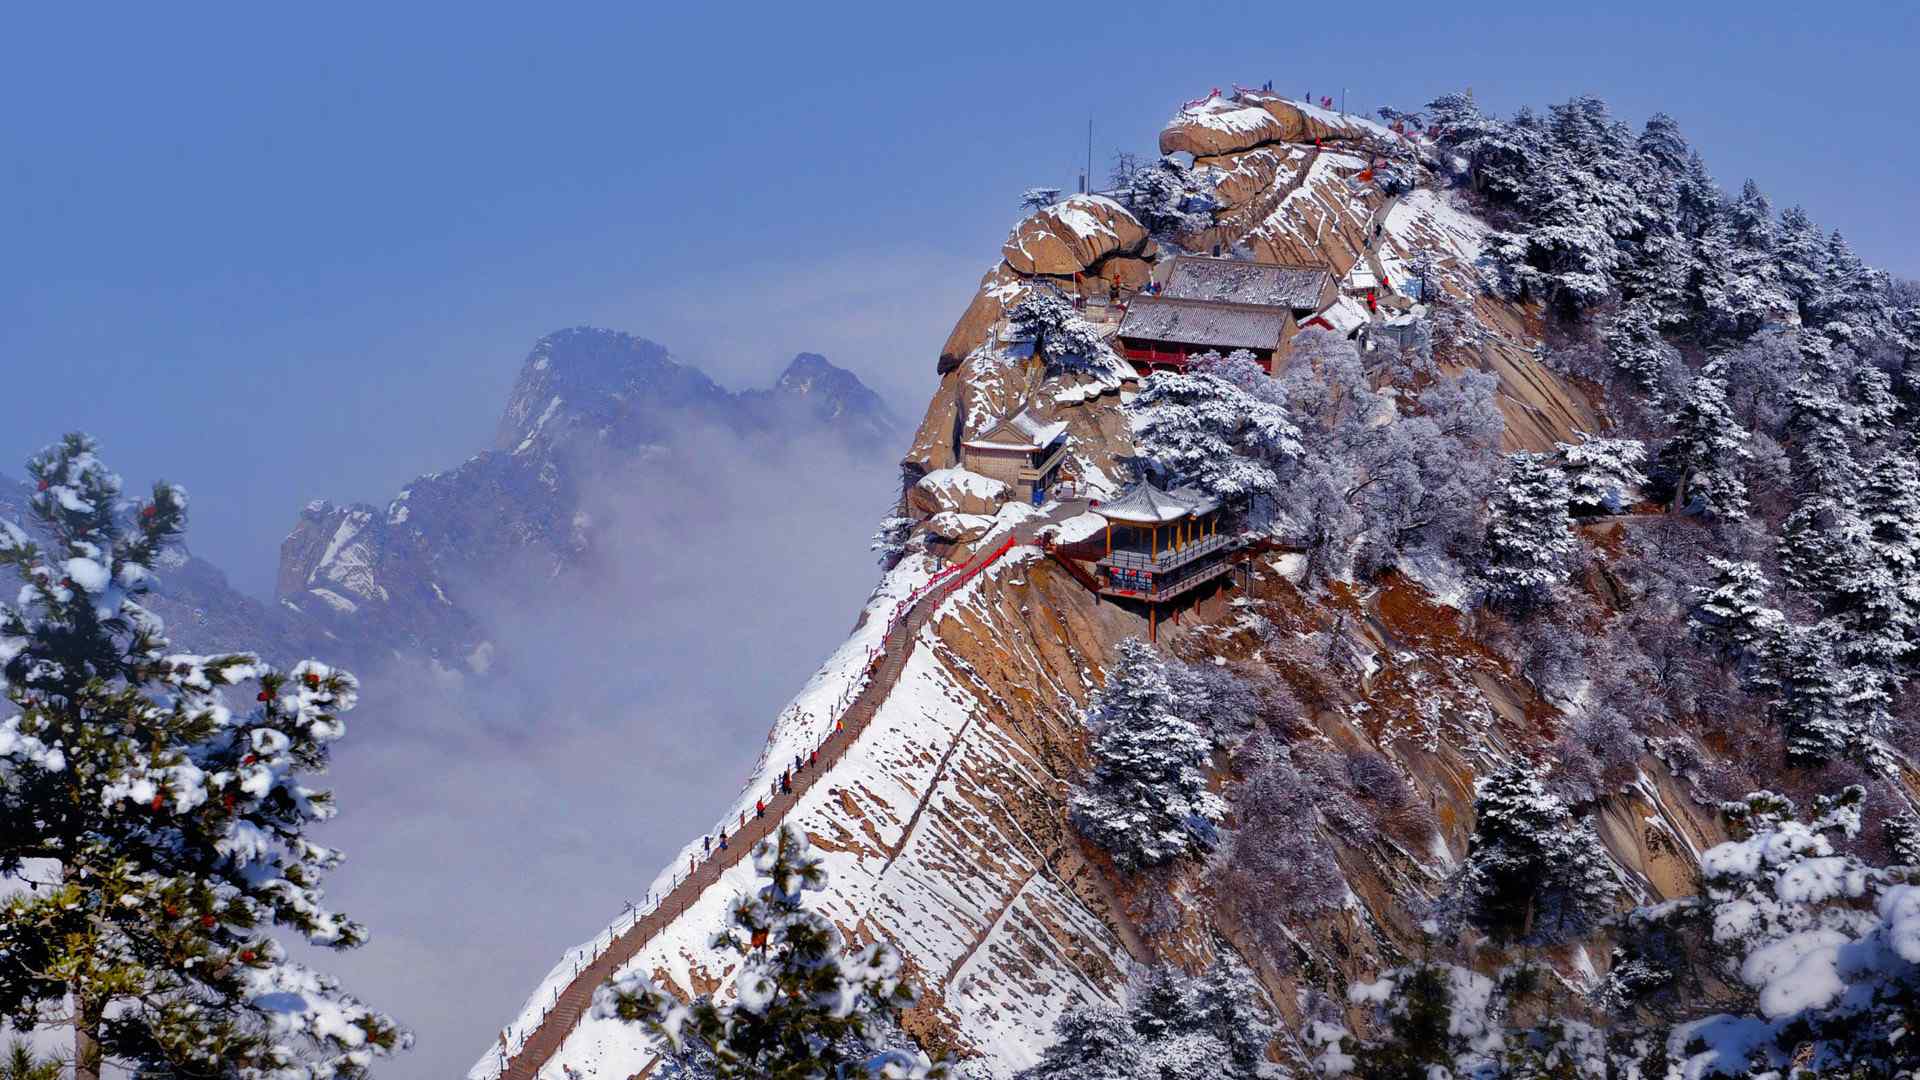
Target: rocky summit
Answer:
[[1394, 532]]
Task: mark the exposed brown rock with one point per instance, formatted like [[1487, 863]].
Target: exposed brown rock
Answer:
[[1000, 288], [1219, 126], [1071, 235]]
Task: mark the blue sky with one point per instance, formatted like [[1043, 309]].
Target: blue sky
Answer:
[[280, 254]]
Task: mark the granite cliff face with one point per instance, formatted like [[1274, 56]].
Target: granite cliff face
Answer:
[[946, 821]]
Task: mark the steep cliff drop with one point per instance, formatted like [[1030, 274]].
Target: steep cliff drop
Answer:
[[941, 802]]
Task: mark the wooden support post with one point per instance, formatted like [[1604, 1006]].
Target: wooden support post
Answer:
[[1156, 541], [1109, 539]]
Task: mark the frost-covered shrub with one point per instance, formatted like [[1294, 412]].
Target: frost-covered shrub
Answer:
[[1597, 755], [1276, 865], [1233, 701]]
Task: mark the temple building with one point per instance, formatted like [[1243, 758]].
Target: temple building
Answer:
[[1024, 453], [1162, 545], [1220, 305]]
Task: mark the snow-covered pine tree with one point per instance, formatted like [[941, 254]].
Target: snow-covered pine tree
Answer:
[[1501, 157], [1602, 474], [1533, 874], [1581, 209], [800, 1001], [1093, 1042], [1060, 337], [1820, 945], [1639, 352], [1889, 616], [1732, 615], [1209, 1027], [1828, 706], [1751, 294], [1659, 263], [1529, 533], [164, 830], [1145, 798], [1199, 429], [1801, 255], [1850, 305], [1165, 198], [890, 538], [1702, 460]]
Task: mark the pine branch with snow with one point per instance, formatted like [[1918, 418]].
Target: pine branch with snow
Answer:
[[166, 831]]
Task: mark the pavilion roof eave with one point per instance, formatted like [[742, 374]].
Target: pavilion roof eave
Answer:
[[1144, 504]]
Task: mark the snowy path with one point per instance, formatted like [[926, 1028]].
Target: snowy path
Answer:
[[576, 999]]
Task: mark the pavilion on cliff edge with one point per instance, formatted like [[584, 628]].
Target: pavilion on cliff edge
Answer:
[[1162, 545]]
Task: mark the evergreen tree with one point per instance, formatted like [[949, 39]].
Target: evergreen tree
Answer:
[[1501, 157], [1850, 304], [1533, 874], [1802, 258], [1201, 429], [1166, 199], [1602, 474], [800, 1003], [1660, 258], [173, 827], [1828, 708], [1889, 617], [1210, 1027], [1732, 615], [1582, 211], [1422, 1036], [1702, 459], [21, 1063], [1529, 533], [1145, 799], [1060, 337], [1633, 341], [1093, 1042], [1750, 292]]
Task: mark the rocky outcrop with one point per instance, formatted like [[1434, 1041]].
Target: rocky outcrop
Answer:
[[1219, 125], [957, 491], [1000, 289], [1072, 235]]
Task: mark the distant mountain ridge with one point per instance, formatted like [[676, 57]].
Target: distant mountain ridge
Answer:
[[591, 408], [588, 401]]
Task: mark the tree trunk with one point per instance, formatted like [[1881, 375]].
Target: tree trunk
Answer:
[[86, 1045]]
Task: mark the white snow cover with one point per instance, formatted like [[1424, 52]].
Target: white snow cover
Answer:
[[966, 482], [911, 872], [1220, 114]]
